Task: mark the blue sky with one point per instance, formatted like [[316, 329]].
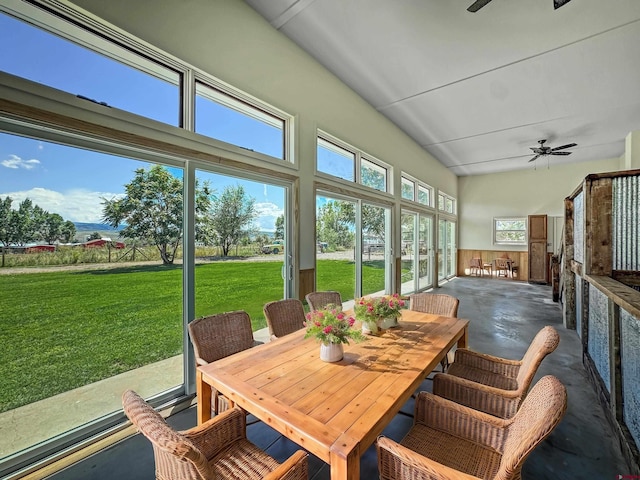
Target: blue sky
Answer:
[[72, 181]]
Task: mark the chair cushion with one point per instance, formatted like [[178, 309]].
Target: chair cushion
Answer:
[[484, 377], [455, 452]]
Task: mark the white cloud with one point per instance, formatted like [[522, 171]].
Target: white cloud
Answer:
[[267, 213], [15, 162], [76, 205]]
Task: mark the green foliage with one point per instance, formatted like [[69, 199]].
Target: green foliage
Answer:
[[232, 215], [335, 224], [279, 233], [151, 209]]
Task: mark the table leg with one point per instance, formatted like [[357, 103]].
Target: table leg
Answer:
[[203, 392], [345, 467], [463, 341]]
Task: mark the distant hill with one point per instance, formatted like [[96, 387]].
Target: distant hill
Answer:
[[95, 227]]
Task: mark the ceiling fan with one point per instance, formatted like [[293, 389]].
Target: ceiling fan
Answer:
[[478, 4], [543, 151]]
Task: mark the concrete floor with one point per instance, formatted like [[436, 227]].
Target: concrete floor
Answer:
[[505, 315]]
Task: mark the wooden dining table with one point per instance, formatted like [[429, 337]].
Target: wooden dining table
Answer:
[[333, 410]]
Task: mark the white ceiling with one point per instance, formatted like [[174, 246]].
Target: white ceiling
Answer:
[[477, 90]]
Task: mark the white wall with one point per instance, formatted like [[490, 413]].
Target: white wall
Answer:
[[517, 193], [229, 40]]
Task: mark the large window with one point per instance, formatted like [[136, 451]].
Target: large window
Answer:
[[446, 249], [84, 298], [417, 252], [510, 231], [351, 261], [225, 118], [132, 83], [416, 191], [343, 161], [446, 203]]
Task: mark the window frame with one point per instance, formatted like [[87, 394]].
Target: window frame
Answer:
[[359, 157], [524, 231]]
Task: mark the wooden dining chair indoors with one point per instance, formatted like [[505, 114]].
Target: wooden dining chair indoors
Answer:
[[284, 317], [502, 267], [217, 449], [437, 304], [319, 300], [217, 336], [448, 440], [475, 266], [492, 384]]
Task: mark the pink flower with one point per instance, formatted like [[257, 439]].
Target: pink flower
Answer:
[[340, 316], [327, 329], [317, 323], [352, 321]]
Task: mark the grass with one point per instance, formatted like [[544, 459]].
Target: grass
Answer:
[[62, 330]]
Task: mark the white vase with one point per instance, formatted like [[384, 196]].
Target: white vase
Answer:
[[371, 328], [390, 322], [331, 352]]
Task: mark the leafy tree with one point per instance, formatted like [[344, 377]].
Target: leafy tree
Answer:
[[152, 209], [232, 215], [67, 231], [94, 236], [52, 227], [279, 234], [25, 223], [7, 235], [335, 223]]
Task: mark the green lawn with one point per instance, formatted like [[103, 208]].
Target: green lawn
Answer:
[[62, 330]]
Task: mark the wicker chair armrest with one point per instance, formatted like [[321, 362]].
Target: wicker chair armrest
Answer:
[[296, 467], [460, 420], [216, 434], [491, 400], [484, 361], [398, 462], [201, 361]]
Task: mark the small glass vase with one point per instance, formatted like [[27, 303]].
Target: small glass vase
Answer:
[[331, 352]]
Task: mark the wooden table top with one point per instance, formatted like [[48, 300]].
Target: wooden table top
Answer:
[[335, 410]]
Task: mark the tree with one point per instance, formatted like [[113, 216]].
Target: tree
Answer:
[[151, 209], [94, 236], [52, 227], [67, 231], [7, 235], [336, 222], [232, 215], [279, 234]]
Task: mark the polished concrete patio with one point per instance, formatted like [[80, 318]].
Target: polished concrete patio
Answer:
[[505, 315]]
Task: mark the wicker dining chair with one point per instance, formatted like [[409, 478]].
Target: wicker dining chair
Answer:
[[217, 449], [319, 300], [475, 266], [502, 266], [438, 304], [218, 336], [492, 384], [284, 317], [448, 440]]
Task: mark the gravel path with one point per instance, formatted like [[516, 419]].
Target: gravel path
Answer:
[[348, 255]]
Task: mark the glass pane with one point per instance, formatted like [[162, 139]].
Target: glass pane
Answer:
[[335, 160], [425, 251], [451, 249], [91, 305], [408, 253], [244, 222], [440, 202], [424, 195], [224, 118], [449, 205], [335, 230], [408, 189], [373, 175], [150, 89], [442, 249], [374, 251]]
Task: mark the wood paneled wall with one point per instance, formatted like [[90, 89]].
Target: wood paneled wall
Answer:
[[521, 260]]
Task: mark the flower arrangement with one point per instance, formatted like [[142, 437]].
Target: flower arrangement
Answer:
[[371, 309], [331, 325]]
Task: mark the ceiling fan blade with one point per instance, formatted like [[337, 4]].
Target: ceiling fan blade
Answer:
[[558, 3], [568, 145], [560, 153], [534, 158], [477, 5]]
